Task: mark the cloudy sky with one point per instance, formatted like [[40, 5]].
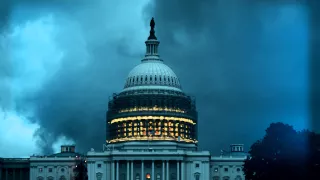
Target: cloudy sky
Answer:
[[247, 64]]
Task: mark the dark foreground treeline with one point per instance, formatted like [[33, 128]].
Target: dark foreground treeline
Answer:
[[284, 153]]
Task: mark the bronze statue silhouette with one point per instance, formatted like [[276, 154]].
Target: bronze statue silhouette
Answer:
[[152, 32], [152, 23]]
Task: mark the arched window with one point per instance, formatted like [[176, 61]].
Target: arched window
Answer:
[[215, 178], [40, 178], [197, 176], [62, 178], [148, 176], [226, 178], [137, 176], [50, 178], [99, 176], [158, 177], [238, 178]]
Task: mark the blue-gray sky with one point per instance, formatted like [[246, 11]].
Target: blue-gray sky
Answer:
[[245, 62]]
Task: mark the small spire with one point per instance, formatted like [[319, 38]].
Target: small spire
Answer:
[[152, 32]]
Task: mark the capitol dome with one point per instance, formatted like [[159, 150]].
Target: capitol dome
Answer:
[[152, 105]]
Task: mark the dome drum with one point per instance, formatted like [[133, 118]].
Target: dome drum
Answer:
[[151, 128], [137, 117]]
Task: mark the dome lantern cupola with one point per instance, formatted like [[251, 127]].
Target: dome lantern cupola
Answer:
[[152, 44]]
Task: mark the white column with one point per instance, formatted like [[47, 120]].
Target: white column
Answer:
[[108, 169], [117, 175], [182, 170], [131, 170], [112, 170], [178, 171], [91, 169], [168, 168], [152, 176], [128, 171], [163, 169], [142, 170]]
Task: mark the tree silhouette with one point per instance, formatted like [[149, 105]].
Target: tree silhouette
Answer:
[[81, 170], [283, 153]]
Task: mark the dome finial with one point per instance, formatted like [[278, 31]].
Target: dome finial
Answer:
[[152, 32]]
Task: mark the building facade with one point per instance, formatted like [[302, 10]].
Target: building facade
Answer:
[[59, 166], [152, 130], [14, 168]]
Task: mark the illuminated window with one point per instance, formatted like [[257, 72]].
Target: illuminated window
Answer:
[[135, 124], [148, 176], [177, 134]]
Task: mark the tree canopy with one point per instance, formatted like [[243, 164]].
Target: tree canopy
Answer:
[[284, 153], [81, 170]]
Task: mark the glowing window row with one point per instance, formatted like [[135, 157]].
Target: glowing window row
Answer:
[[151, 128], [135, 118], [139, 138], [141, 124], [157, 133], [155, 108]]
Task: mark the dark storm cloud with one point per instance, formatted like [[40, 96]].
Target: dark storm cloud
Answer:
[[98, 45], [245, 61]]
